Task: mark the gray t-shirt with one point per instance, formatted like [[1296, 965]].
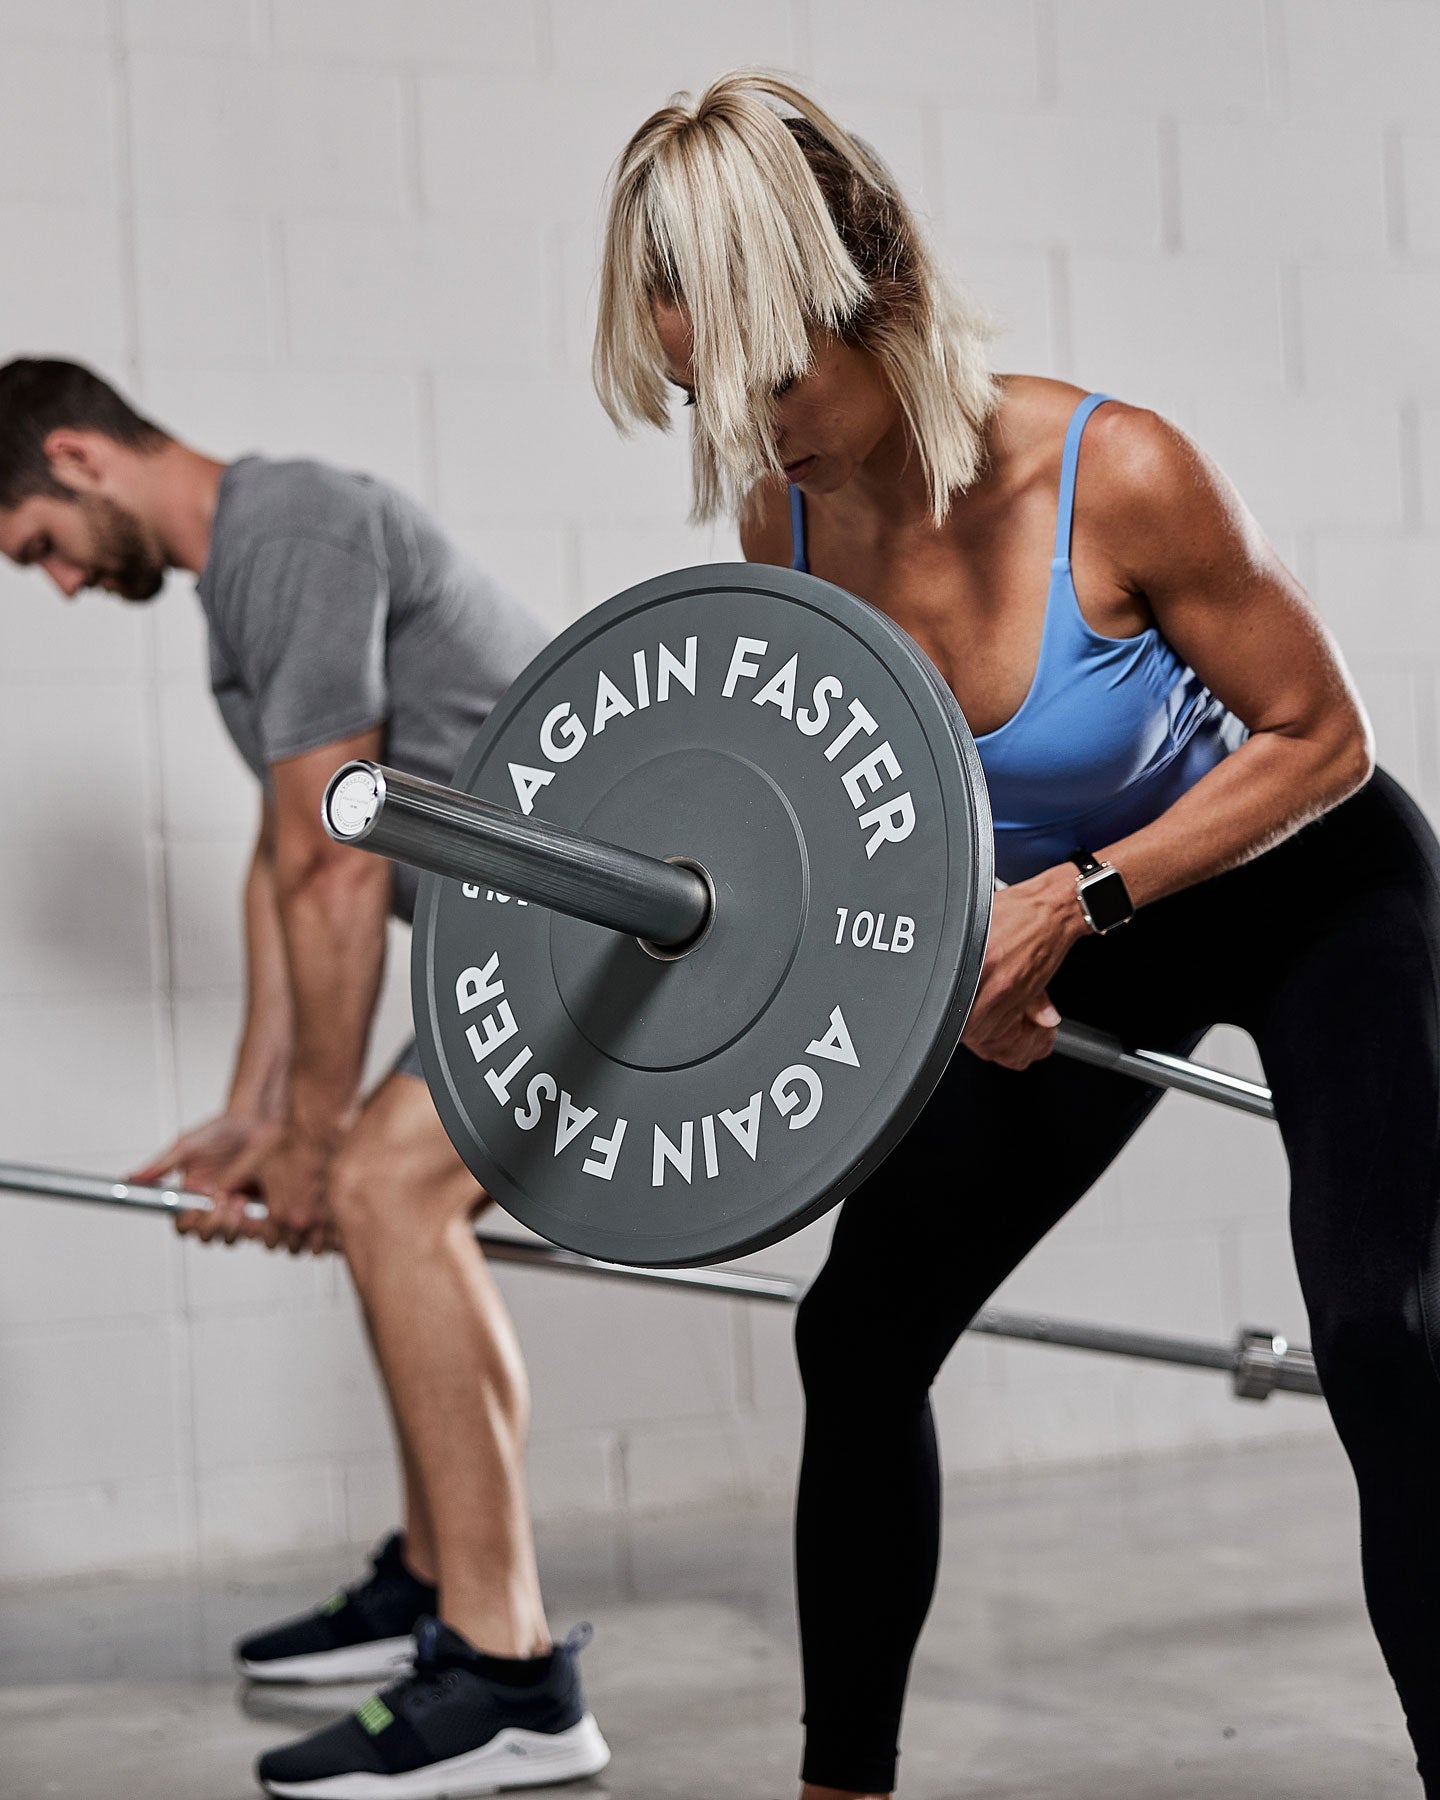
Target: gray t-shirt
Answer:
[[335, 603]]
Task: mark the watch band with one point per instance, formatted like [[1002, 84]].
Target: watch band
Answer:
[[1101, 893]]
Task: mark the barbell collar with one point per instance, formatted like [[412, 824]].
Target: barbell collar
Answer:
[[667, 905], [1265, 1362]]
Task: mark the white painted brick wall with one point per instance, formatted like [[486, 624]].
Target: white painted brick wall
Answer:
[[73, 291], [75, 159], [1136, 57], [205, 290], [1351, 59], [975, 50], [1421, 193], [1090, 183], [1301, 191], [365, 230]]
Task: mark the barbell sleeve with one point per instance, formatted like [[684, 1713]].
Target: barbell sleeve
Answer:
[[667, 903], [452, 833]]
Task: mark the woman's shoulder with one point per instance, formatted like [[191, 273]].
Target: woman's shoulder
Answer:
[[765, 523], [1131, 450], [1035, 410]]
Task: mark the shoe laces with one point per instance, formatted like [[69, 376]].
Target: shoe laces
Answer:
[[434, 1674], [357, 1592]]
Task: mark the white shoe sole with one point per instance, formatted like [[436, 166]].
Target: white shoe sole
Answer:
[[512, 1759], [379, 1660]]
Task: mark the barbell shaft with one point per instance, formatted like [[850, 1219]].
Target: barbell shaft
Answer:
[[97, 1190], [1258, 1363], [452, 833], [1085, 1044]]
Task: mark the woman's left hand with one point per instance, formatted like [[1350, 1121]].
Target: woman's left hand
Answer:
[[1032, 926]]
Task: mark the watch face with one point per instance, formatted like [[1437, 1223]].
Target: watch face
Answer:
[[1107, 899]]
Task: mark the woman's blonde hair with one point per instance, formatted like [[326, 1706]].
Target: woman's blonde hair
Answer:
[[752, 210]]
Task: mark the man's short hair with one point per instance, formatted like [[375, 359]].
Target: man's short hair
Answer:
[[39, 395]]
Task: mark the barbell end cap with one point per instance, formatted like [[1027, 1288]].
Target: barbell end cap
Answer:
[[353, 799], [1259, 1358]]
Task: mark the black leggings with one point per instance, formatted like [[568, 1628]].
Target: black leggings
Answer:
[[1326, 950]]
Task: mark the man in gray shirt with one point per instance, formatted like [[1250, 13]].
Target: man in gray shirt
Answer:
[[342, 624]]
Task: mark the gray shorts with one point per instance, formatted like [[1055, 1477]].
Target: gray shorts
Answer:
[[408, 1061]]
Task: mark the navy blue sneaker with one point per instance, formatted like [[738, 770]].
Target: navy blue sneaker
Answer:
[[363, 1633], [451, 1730]]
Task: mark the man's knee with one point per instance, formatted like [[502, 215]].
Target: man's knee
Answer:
[[376, 1190]]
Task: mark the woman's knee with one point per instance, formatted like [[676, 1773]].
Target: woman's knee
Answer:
[[852, 1352], [1376, 1346]]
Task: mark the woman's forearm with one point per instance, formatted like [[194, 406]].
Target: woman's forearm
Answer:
[[1255, 798]]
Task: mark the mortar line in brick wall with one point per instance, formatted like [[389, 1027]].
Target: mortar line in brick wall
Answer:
[[1227, 1244], [261, 27], [1427, 735], [555, 298], [1057, 294], [1397, 219], [1277, 59], [1167, 162], [743, 1352], [277, 289], [573, 576], [622, 1496], [186, 1423], [412, 174], [1292, 352], [1412, 493], [164, 995], [542, 27], [932, 157], [1306, 561], [125, 192], [162, 921], [428, 437], [1047, 51], [802, 36]]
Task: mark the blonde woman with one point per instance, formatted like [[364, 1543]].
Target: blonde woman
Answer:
[[1156, 704]]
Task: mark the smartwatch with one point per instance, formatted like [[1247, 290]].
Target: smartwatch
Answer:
[[1102, 893]]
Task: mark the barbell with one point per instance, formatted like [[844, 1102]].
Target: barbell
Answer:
[[702, 917], [1258, 1362]]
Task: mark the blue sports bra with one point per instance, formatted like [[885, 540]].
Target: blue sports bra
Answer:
[[1112, 731]]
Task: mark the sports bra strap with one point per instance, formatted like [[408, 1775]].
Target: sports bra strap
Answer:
[[1068, 462], [798, 559]]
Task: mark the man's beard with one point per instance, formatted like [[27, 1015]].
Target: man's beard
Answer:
[[121, 560]]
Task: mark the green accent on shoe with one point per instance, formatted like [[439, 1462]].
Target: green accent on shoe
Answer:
[[335, 1602], [375, 1715]]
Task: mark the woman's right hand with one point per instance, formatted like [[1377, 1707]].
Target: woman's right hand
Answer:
[[1033, 925], [221, 1159]]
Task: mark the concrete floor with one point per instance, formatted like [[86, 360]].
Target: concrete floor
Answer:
[[1187, 1627]]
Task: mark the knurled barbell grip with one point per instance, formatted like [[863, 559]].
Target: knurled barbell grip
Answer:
[[452, 833]]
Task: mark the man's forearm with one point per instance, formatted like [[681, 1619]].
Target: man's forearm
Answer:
[[333, 917], [260, 1082]]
